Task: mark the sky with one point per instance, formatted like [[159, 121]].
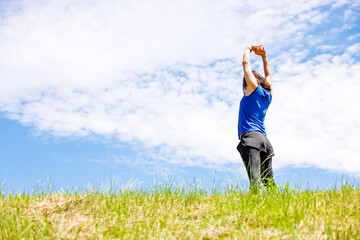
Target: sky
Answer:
[[130, 92]]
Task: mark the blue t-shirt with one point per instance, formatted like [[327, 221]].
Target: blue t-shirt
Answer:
[[252, 111]]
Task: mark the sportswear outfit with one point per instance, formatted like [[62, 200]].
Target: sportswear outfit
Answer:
[[254, 147]]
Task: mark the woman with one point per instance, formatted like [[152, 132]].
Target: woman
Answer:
[[254, 147]]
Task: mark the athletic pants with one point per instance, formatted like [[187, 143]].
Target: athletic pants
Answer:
[[257, 152]]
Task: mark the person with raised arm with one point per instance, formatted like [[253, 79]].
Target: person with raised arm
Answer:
[[254, 146]]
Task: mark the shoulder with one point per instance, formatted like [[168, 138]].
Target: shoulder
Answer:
[[264, 93]]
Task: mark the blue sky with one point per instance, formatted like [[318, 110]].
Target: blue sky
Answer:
[[132, 90]]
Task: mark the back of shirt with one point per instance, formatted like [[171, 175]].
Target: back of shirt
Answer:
[[252, 111]]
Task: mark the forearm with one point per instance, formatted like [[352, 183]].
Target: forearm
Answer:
[[266, 66], [246, 59]]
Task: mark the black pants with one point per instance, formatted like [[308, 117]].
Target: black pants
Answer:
[[257, 152]]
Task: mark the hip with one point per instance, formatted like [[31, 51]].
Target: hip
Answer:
[[256, 140]]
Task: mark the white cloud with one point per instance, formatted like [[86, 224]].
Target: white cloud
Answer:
[[330, 48], [166, 76], [315, 116], [353, 37]]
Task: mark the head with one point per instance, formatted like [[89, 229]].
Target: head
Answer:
[[260, 80]]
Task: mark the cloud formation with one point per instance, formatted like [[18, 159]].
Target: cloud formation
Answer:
[[165, 76]]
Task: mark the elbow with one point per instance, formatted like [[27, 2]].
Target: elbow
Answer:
[[245, 62]]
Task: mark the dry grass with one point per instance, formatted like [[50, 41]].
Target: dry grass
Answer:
[[60, 213]]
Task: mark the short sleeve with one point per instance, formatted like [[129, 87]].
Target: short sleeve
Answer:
[[265, 94]]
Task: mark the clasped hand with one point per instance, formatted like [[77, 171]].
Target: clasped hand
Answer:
[[259, 50]]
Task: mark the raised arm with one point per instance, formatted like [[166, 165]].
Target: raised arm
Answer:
[[249, 76], [259, 50]]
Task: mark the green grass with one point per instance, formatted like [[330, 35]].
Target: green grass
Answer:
[[166, 212]]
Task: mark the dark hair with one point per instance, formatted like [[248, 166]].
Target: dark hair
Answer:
[[260, 80]]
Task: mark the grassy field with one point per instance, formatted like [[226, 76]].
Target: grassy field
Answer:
[[165, 212]]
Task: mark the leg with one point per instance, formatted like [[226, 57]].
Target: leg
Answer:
[[251, 159], [267, 175]]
